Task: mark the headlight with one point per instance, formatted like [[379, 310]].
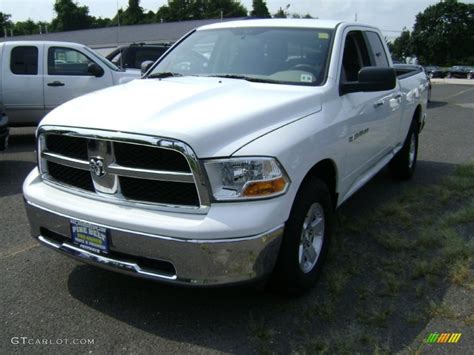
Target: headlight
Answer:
[[246, 178]]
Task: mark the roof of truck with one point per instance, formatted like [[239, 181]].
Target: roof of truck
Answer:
[[297, 23]]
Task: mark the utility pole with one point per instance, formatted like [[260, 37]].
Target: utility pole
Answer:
[[5, 32], [355, 17], [39, 26]]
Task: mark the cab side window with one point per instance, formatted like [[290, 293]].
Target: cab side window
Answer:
[[355, 57], [24, 60], [379, 57], [67, 61]]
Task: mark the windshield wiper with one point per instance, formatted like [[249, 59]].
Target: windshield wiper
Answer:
[[163, 75], [245, 77]]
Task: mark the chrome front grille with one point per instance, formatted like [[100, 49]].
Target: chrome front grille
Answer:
[[127, 168]]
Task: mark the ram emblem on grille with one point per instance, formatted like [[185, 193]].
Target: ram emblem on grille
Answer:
[[97, 166]]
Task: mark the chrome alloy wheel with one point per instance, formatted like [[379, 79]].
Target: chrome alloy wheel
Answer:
[[412, 152], [311, 239]]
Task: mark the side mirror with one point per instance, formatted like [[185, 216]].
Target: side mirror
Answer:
[[95, 69], [371, 79], [145, 66]]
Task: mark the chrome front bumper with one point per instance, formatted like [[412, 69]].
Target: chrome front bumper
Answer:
[[172, 260]]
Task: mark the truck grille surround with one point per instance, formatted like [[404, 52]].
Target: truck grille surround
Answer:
[[126, 168]]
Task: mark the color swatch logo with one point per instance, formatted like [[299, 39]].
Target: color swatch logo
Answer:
[[440, 338]]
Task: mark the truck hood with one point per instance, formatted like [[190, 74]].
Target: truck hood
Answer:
[[214, 116]]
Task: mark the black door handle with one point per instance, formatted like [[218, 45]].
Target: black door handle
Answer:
[[56, 83]]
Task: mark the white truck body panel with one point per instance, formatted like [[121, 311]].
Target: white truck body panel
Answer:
[[300, 126]]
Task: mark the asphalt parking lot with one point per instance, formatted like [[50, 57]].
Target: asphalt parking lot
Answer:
[[48, 297]]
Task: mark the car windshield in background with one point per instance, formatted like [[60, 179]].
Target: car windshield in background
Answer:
[[102, 59], [274, 55]]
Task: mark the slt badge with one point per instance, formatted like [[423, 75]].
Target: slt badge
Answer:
[[97, 166]]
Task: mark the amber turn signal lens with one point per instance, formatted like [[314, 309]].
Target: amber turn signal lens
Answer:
[[263, 188]]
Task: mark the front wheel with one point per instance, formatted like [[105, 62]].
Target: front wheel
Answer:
[[403, 163], [305, 240]]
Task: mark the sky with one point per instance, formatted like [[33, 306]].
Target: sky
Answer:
[[389, 15]]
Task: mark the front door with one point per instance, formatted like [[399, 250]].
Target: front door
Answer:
[[67, 76]]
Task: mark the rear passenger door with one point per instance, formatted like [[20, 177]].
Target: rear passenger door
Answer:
[[22, 83], [67, 76], [389, 110]]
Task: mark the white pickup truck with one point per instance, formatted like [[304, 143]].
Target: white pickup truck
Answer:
[[225, 163], [37, 76]]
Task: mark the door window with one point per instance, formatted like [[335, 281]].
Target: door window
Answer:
[[355, 57], [379, 56], [67, 61], [24, 60]]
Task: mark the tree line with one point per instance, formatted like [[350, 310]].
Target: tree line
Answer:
[[71, 16], [443, 35]]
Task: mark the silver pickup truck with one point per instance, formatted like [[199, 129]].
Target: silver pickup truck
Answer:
[[37, 76], [226, 161]]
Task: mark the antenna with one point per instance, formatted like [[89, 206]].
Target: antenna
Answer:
[[118, 34]]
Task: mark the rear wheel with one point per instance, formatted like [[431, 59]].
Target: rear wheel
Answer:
[[403, 163], [305, 240]]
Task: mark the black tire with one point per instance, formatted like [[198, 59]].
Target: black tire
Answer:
[[288, 276], [403, 163]]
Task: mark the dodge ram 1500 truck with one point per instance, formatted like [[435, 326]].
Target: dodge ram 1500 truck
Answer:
[[226, 161], [37, 76]]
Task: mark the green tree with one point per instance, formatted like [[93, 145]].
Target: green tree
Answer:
[[133, 15], [70, 16], [4, 22], [260, 9], [179, 10], [228, 8], [150, 17], [402, 46], [280, 14], [98, 22], [28, 27], [444, 34]]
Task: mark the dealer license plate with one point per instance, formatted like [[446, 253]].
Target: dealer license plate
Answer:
[[90, 237]]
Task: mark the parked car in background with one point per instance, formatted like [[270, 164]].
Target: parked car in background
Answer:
[[131, 57], [461, 71], [4, 130], [404, 70], [37, 76], [434, 71]]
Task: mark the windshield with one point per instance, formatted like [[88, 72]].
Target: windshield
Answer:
[[101, 58], [276, 55]]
